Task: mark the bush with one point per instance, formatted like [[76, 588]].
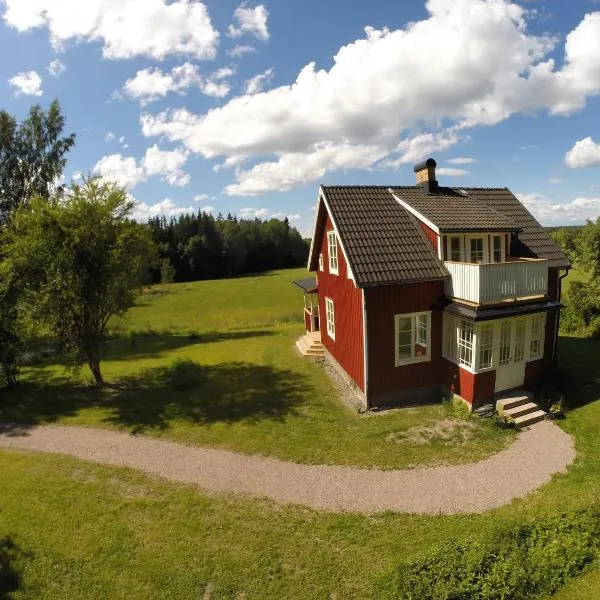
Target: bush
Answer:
[[520, 562], [505, 421], [460, 411], [184, 374]]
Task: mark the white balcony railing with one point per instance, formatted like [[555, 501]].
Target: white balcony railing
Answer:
[[497, 282]]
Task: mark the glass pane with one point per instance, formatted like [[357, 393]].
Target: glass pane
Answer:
[[455, 249], [477, 250]]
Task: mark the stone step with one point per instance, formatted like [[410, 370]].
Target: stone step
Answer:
[[511, 402], [522, 409], [530, 418], [306, 347]]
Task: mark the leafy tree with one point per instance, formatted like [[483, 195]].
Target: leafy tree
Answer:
[[32, 156], [82, 259], [588, 248]]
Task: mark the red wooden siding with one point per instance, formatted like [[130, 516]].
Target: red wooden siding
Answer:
[[474, 388], [347, 348], [431, 235], [382, 304]]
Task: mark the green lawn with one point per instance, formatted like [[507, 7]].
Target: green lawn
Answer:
[[80, 530], [258, 396]]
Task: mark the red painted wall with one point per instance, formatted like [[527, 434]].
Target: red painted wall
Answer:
[[382, 304], [347, 348], [431, 235], [474, 388]]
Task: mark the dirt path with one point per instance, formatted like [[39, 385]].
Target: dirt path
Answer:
[[530, 462]]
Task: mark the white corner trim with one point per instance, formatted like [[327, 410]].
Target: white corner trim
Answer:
[[415, 212], [312, 241], [365, 349]]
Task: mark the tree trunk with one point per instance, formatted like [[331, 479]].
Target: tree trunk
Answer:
[[94, 364]]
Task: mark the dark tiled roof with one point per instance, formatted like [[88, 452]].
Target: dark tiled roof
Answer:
[[533, 240], [452, 210], [383, 241], [308, 285]]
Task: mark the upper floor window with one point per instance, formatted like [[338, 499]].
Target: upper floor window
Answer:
[[413, 338], [333, 256], [497, 253], [456, 254], [476, 250]]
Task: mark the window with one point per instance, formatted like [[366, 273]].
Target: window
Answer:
[[333, 256], [476, 247], [450, 337], [321, 261], [537, 329], [497, 248], [330, 316], [465, 344], [505, 343], [519, 340], [413, 338], [485, 340], [455, 249]]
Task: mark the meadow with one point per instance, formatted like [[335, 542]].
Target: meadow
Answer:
[[75, 529]]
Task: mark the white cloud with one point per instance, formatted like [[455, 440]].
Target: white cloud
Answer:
[[461, 160], [208, 209], [151, 84], [556, 180], [143, 211], [554, 213], [77, 176], [109, 137], [26, 84], [257, 83], [201, 197], [460, 75], [239, 50], [126, 171], [56, 68], [250, 21], [126, 28], [585, 153], [450, 172]]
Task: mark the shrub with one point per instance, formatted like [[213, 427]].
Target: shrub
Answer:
[[184, 374], [505, 421], [557, 410], [460, 411], [520, 562]]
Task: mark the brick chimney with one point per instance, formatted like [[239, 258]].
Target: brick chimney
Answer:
[[425, 172]]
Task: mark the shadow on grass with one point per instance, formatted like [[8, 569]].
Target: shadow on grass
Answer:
[[226, 393], [10, 577], [580, 359]]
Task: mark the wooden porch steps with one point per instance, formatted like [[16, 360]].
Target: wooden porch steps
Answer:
[[521, 408], [309, 345]]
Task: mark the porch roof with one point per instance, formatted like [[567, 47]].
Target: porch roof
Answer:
[[308, 285], [499, 312]]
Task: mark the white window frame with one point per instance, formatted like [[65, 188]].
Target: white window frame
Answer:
[[541, 319], [321, 261], [461, 247], [484, 249], [332, 252], [502, 239], [330, 317], [485, 338], [416, 338], [465, 343]]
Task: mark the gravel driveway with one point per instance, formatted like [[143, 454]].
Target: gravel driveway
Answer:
[[536, 455]]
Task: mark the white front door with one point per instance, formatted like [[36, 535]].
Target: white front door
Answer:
[[510, 372]]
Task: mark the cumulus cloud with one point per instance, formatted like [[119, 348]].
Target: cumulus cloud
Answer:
[[239, 50], [56, 68], [152, 83], [143, 211], [460, 77], [450, 172], [251, 21], [208, 209], [256, 84], [461, 160], [126, 171], [584, 153], [201, 197], [26, 84], [127, 28], [554, 213]]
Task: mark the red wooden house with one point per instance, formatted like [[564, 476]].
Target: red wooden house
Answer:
[[424, 289]]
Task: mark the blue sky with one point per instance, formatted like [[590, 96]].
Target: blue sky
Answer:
[[247, 108]]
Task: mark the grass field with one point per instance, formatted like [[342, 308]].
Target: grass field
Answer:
[[77, 530], [258, 396]]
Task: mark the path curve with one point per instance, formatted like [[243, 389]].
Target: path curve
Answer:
[[536, 455]]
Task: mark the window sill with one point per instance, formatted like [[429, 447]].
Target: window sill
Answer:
[[413, 361]]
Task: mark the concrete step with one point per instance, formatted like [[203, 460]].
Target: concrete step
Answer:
[[530, 418], [307, 347], [522, 409], [511, 402]]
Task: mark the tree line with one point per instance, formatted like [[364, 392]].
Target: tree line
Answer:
[[199, 246], [581, 244]]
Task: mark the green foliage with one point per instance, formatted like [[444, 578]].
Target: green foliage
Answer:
[[80, 259], [505, 421], [32, 157], [564, 238], [184, 374], [202, 247], [517, 562], [582, 310], [557, 409], [167, 271], [460, 411], [588, 248]]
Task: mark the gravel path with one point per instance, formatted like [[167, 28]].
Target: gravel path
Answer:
[[533, 458]]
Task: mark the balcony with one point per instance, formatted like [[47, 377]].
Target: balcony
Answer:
[[494, 283]]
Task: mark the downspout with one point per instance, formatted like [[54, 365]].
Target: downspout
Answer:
[[557, 322], [365, 348]]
